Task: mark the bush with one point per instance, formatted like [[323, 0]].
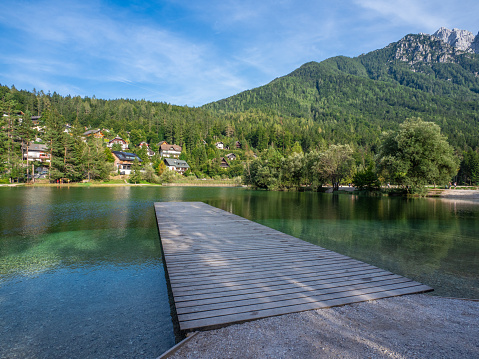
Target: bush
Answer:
[[169, 176], [366, 179], [150, 176]]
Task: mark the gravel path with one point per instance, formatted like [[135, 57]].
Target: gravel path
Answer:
[[460, 193], [413, 326]]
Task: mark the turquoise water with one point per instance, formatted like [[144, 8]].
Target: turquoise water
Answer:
[[81, 273]]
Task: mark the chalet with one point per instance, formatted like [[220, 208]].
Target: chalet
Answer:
[[149, 151], [35, 120], [120, 141], [169, 151], [220, 145], [36, 152], [223, 163], [124, 161], [231, 156], [174, 164], [95, 133], [238, 145]]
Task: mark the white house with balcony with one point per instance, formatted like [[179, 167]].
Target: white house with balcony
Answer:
[[169, 151], [36, 152], [120, 141], [179, 166]]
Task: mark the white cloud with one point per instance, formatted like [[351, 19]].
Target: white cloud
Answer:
[[84, 41], [410, 12], [192, 52]]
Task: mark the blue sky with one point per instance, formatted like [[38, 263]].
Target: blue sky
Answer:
[[194, 52]]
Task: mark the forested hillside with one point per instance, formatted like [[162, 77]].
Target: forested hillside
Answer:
[[354, 99], [341, 101]]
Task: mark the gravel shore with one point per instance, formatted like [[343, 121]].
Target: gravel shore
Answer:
[[460, 193], [412, 326]]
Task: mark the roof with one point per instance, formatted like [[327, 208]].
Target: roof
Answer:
[[223, 162], [118, 138], [176, 163], [166, 147], [90, 132], [125, 156], [36, 147]]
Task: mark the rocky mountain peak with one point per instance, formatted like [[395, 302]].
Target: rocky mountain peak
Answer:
[[460, 39], [425, 48]]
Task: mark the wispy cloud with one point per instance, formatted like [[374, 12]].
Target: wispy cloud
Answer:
[[83, 41], [193, 52], [401, 12]]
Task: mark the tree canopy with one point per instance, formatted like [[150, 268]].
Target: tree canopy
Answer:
[[417, 154]]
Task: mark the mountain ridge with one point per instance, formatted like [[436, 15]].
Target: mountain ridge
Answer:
[[418, 76], [463, 40]]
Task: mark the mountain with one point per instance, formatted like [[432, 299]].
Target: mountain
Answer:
[[460, 39], [435, 77]]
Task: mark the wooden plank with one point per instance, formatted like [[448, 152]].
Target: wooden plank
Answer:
[[260, 272], [279, 300], [226, 289], [216, 267], [241, 317], [252, 254], [225, 269], [222, 287], [192, 265], [235, 299], [267, 274]]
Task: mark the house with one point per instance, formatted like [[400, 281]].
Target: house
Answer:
[[35, 120], [169, 151], [95, 133], [231, 156], [238, 145], [120, 141], [174, 164], [219, 145], [36, 152], [223, 163], [149, 151], [124, 161]]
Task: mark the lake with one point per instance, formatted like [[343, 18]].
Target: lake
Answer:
[[81, 274]]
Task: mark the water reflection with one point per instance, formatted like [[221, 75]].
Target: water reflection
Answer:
[[81, 275], [433, 241]]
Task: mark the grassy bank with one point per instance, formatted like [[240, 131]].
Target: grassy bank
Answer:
[[124, 182]]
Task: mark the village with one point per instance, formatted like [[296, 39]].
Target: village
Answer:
[[37, 153]]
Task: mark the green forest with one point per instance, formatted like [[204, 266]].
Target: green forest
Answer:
[[341, 106]]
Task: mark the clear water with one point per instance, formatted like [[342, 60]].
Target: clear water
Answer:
[[81, 273]]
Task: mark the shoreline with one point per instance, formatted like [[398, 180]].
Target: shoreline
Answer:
[[411, 326], [467, 194], [87, 184]]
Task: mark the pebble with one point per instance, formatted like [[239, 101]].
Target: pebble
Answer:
[[412, 326]]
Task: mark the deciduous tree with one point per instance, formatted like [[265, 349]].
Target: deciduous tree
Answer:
[[417, 154]]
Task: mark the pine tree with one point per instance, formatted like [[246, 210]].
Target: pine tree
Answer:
[[27, 134], [135, 176], [55, 140], [93, 161]]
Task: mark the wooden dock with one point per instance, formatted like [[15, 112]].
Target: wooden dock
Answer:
[[226, 269]]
